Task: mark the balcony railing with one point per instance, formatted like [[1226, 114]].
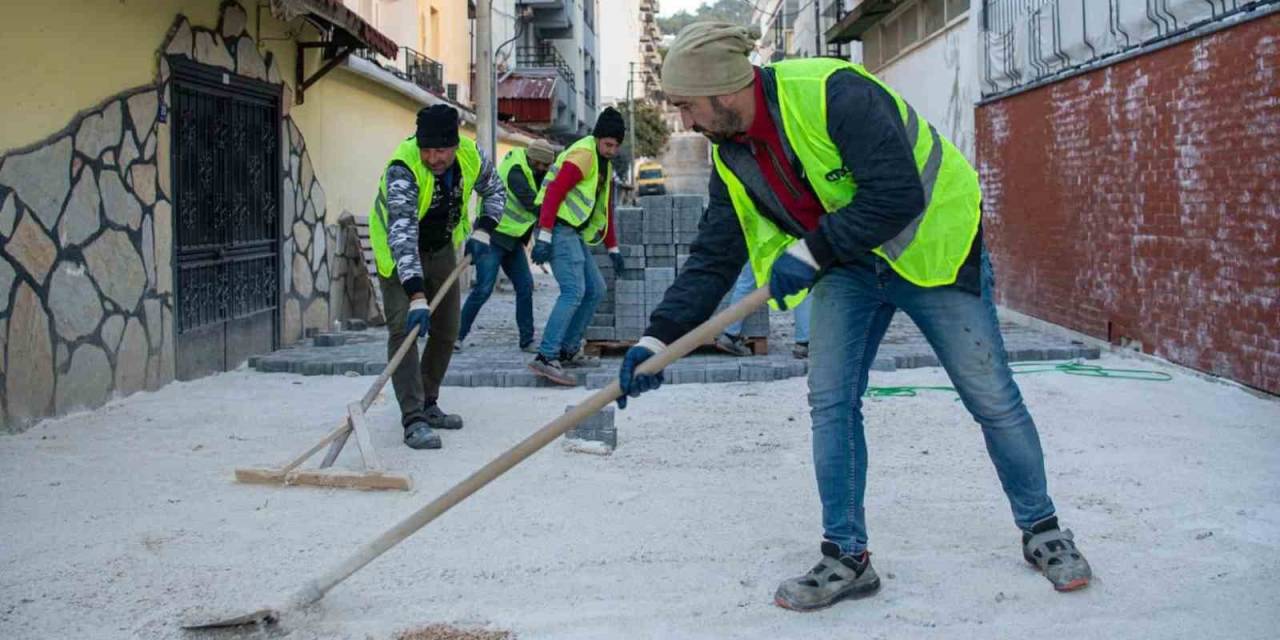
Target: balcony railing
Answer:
[[415, 67], [545, 55], [423, 71]]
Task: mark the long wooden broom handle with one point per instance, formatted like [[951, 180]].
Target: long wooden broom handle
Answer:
[[316, 588], [413, 335]]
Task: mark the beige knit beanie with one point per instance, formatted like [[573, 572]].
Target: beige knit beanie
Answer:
[[709, 59], [540, 151]]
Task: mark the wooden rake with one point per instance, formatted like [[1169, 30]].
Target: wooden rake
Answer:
[[374, 476], [315, 589]]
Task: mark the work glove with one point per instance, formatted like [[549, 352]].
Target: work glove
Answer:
[[634, 384], [542, 248], [619, 263], [477, 245], [793, 272], [419, 316]]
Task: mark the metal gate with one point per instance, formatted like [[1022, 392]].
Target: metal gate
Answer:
[[226, 193]]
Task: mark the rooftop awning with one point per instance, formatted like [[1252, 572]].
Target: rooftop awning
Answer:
[[858, 20], [334, 13], [528, 97]]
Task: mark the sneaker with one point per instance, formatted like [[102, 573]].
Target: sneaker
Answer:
[[733, 345], [529, 347], [457, 347], [800, 351], [438, 419], [418, 435], [578, 360], [1053, 551], [836, 577], [551, 370]]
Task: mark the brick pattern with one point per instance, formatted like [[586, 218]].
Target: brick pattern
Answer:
[[655, 239], [1140, 202]]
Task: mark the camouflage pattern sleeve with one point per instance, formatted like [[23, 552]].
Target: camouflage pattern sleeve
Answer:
[[402, 223]]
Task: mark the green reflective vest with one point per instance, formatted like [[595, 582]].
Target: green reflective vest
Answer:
[[515, 218], [407, 153], [931, 249], [582, 205]]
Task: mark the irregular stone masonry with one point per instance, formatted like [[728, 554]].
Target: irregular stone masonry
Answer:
[[87, 298]]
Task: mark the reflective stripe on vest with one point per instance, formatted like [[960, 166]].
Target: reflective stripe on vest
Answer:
[[515, 218], [408, 154], [931, 249], [581, 204]]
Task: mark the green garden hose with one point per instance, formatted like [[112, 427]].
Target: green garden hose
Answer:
[[1020, 368]]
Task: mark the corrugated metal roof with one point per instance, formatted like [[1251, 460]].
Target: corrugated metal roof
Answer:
[[519, 86]]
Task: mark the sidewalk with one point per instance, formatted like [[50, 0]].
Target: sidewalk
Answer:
[[491, 359]]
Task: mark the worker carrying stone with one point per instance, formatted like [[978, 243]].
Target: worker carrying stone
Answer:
[[830, 185], [420, 218], [521, 172], [576, 203]]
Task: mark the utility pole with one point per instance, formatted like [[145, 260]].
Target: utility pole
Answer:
[[631, 112], [817, 29], [486, 123]]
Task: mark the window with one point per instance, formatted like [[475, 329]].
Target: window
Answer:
[[935, 16], [909, 25], [914, 22], [649, 174], [451, 91]]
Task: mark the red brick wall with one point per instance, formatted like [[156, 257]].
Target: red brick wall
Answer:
[[1141, 202]]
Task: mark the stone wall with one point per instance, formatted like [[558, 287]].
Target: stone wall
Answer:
[[86, 218]]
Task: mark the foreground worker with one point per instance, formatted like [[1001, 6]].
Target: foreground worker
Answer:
[[521, 171], [576, 203], [420, 219], [826, 180]]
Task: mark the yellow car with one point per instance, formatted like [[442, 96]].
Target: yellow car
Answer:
[[650, 181]]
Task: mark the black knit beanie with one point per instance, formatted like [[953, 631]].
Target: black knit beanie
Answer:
[[437, 127], [610, 125]]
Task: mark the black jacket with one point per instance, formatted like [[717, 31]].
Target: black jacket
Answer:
[[864, 123]]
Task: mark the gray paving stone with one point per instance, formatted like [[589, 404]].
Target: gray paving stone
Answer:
[[723, 373], [686, 375], [884, 364], [483, 379], [317, 368], [599, 380], [756, 372]]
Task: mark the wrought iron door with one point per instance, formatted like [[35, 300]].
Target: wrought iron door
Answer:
[[226, 193]]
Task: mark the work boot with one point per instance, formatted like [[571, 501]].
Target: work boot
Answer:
[[836, 577], [577, 360], [418, 435], [1054, 552], [529, 347], [438, 419], [733, 345], [800, 351], [551, 370]]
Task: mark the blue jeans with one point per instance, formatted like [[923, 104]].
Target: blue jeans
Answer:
[[515, 264], [581, 288], [852, 307], [745, 284]]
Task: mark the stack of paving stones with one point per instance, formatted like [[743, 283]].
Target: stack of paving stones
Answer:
[[598, 427], [654, 238]]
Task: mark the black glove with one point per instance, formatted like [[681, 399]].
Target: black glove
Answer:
[[619, 263]]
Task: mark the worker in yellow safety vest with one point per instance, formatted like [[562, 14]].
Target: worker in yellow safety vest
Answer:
[[420, 218], [521, 171], [830, 186]]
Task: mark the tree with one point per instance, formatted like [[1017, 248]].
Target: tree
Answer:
[[651, 130], [651, 134], [735, 11]]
